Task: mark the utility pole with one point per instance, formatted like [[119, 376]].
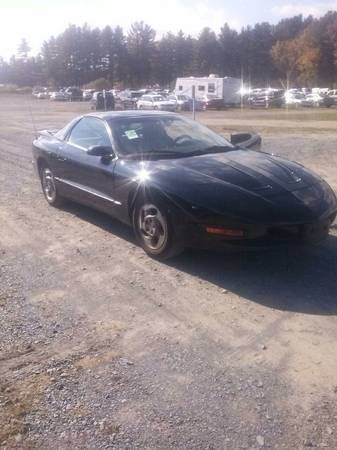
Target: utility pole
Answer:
[[193, 101]]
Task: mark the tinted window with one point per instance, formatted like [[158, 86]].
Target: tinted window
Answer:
[[89, 131], [62, 134], [164, 134], [201, 88]]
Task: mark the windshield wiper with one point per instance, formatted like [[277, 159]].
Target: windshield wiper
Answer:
[[212, 149], [154, 154], [175, 154]]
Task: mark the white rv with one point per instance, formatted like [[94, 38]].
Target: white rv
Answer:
[[227, 88]]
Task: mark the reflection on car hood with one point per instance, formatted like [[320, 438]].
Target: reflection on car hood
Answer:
[[253, 171], [240, 182]]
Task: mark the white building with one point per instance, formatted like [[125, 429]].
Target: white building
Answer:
[[226, 88]]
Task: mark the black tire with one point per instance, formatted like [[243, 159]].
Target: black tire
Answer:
[[154, 229], [49, 187]]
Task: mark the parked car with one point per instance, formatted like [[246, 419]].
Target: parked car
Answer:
[[87, 94], [39, 90], [294, 98], [128, 99], [317, 100], [156, 102], [179, 184], [73, 93], [183, 102], [161, 92], [332, 94], [58, 96], [210, 102], [42, 95], [320, 91], [267, 99]]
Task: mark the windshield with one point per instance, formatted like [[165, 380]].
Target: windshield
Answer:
[[165, 137]]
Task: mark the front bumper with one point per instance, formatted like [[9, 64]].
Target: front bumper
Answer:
[[255, 238]]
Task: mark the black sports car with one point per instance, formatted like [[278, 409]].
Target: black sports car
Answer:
[[179, 184]]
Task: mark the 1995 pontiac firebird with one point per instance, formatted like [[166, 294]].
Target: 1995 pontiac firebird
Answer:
[[179, 184]]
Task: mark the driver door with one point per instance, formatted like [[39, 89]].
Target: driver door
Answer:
[[88, 178]]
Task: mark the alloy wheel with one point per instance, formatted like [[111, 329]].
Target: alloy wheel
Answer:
[[152, 227], [48, 185]]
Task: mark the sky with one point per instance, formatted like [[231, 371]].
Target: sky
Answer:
[[37, 20]]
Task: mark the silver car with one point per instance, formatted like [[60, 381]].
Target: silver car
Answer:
[[156, 102]]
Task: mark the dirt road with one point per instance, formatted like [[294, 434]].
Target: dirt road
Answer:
[[102, 347]]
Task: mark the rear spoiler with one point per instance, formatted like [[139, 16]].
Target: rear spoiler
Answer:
[[46, 133]]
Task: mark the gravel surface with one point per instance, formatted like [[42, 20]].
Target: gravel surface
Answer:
[[102, 347]]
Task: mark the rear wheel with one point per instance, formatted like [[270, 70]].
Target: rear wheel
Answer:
[[154, 230], [49, 187]]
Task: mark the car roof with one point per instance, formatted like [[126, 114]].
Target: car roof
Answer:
[[108, 115]]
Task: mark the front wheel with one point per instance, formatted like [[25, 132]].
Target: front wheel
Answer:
[[154, 230], [49, 187]]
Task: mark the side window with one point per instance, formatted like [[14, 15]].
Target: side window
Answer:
[[62, 134], [131, 136], [180, 88], [89, 131], [201, 88]]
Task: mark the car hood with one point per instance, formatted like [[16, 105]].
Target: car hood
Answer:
[[246, 185]]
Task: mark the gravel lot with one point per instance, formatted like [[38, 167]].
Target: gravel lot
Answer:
[[102, 347]]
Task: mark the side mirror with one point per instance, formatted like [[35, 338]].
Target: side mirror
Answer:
[[239, 138], [246, 140], [103, 151]]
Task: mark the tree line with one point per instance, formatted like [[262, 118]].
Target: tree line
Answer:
[[297, 50]]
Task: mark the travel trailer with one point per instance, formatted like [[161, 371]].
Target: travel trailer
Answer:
[[211, 87]]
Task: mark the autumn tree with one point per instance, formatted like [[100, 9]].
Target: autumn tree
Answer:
[[332, 34], [297, 59], [298, 49], [308, 60]]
